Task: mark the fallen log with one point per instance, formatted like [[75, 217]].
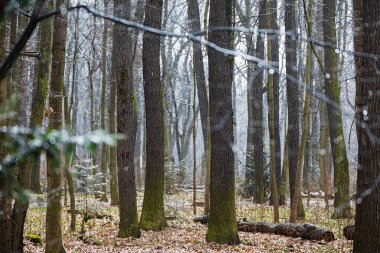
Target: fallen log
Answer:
[[201, 219], [349, 232], [304, 231]]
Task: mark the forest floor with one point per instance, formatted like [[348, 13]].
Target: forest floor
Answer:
[[182, 234]]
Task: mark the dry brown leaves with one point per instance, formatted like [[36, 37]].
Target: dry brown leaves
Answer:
[[182, 234]]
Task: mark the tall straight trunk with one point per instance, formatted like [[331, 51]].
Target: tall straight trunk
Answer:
[[194, 149], [68, 162], [338, 147], [325, 153], [367, 122], [73, 109], [271, 126], [39, 98], [292, 92], [152, 215], [20, 206], [138, 150], [285, 167], [248, 173], [305, 121], [257, 112], [122, 72], [200, 78], [276, 97], [92, 67], [103, 161], [208, 140], [222, 226], [5, 192], [112, 130], [112, 150], [54, 171]]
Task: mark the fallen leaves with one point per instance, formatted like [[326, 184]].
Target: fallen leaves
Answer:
[[182, 234]]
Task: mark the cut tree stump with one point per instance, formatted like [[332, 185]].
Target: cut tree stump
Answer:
[[349, 232], [304, 231]]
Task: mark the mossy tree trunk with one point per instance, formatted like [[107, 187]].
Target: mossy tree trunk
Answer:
[[152, 215], [45, 35], [122, 72], [54, 170], [305, 121], [338, 147], [222, 227], [37, 115], [367, 124]]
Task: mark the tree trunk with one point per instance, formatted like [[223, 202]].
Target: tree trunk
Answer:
[[248, 173], [112, 130], [222, 227], [68, 162], [257, 111], [200, 78], [152, 216], [305, 121], [367, 125], [276, 96], [42, 89], [292, 92], [122, 73], [305, 231], [271, 126], [5, 193], [103, 161], [338, 147], [54, 170]]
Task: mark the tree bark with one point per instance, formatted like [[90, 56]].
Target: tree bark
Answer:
[[222, 226], [122, 71], [5, 193], [305, 231], [367, 125], [42, 89], [338, 147], [276, 97], [271, 126], [112, 130], [54, 170], [200, 78], [292, 92], [257, 111], [305, 120], [103, 161], [152, 216]]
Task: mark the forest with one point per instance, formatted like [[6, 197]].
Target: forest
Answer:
[[189, 126]]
